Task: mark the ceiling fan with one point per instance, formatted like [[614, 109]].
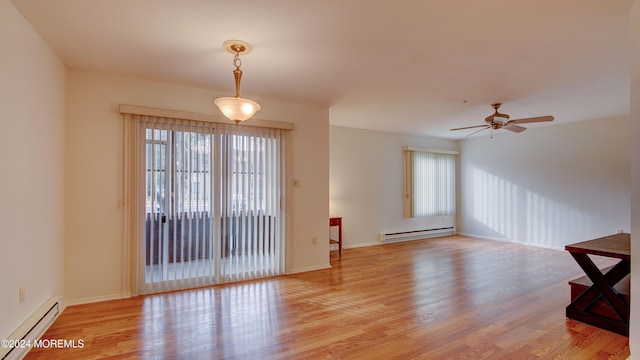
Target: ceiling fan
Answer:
[[498, 121]]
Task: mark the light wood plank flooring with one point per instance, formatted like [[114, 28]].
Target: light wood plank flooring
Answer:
[[444, 298]]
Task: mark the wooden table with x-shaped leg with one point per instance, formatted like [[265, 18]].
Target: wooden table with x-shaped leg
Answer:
[[603, 284]]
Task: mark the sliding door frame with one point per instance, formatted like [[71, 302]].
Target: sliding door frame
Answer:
[[133, 181]]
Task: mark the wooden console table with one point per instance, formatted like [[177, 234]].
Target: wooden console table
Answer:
[[604, 290], [336, 221]]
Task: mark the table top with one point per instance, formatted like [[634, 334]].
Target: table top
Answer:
[[614, 246]]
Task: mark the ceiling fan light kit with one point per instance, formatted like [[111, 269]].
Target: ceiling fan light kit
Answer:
[[498, 121], [497, 118], [235, 107]]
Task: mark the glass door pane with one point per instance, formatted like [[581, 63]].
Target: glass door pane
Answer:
[[179, 236]]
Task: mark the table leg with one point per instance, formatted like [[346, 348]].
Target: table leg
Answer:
[[603, 287], [340, 239]]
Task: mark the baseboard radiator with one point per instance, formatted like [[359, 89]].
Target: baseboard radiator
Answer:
[[31, 330], [416, 234]]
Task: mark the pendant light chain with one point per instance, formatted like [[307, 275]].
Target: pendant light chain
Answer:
[[236, 61]]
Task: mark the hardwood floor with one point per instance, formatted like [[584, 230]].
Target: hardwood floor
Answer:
[[444, 298]]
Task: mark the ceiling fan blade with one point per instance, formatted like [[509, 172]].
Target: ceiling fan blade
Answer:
[[477, 131], [515, 128], [531, 120], [468, 127]]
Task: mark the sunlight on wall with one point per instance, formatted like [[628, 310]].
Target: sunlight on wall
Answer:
[[522, 215], [547, 222], [495, 203]]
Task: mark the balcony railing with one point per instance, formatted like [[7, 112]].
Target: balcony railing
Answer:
[[188, 235]]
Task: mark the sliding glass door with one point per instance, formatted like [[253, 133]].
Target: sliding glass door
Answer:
[[211, 204]]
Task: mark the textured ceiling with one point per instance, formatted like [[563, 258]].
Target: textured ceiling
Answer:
[[415, 67]]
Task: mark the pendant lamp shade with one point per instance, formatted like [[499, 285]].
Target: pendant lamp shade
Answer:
[[237, 108]]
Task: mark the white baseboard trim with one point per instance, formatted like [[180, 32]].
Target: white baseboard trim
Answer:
[[377, 243], [308, 268], [334, 247], [511, 241], [95, 299]]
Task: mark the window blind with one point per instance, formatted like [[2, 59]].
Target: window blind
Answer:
[[251, 189], [430, 183]]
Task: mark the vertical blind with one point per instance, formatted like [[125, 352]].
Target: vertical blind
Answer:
[[431, 183], [212, 203], [252, 179], [178, 241]]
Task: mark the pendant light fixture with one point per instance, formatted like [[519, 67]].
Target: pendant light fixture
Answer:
[[236, 108]]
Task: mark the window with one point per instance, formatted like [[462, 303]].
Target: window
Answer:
[[430, 188]]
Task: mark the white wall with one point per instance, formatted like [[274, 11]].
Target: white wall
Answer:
[[95, 265], [32, 163], [549, 186], [634, 331], [367, 183]]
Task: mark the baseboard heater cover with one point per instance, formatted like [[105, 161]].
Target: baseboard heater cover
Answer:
[[32, 329], [416, 234]]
